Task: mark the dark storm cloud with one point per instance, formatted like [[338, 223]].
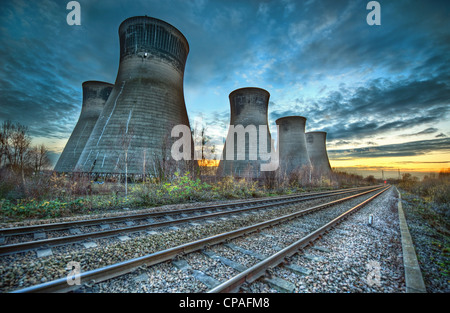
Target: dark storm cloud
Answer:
[[382, 106], [44, 62], [333, 37], [414, 148], [31, 87], [403, 64], [430, 130]]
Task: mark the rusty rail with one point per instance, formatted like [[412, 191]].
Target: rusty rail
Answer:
[[121, 268]]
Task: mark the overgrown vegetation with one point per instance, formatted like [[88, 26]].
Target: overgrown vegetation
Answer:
[[427, 208], [49, 195], [433, 187], [29, 189], [431, 198]]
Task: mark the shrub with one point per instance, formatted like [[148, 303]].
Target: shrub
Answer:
[[180, 189], [41, 209]]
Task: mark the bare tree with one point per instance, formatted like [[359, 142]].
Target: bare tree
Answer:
[[163, 165], [38, 158], [15, 143], [20, 143], [6, 131], [206, 151]]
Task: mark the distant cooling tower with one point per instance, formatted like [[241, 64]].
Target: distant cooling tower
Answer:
[[248, 108], [292, 144], [95, 94], [317, 150], [146, 102]]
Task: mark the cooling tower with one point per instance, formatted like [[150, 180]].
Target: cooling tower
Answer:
[[95, 94], [317, 150], [292, 148], [248, 108], [135, 126]]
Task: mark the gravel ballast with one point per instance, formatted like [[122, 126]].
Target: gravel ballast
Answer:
[[354, 257]]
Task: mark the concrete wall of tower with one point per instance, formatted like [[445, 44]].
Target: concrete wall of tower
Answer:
[[95, 95], [249, 108], [147, 100], [293, 153], [317, 150]]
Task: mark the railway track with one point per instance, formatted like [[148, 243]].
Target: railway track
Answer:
[[246, 273], [22, 239], [260, 269]]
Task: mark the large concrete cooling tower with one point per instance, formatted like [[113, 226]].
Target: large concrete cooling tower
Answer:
[[317, 150], [95, 94], [249, 109], [292, 144], [146, 102]]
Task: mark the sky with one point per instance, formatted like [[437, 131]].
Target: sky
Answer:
[[381, 92]]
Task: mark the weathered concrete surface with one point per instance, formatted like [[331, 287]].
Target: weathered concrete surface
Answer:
[[317, 150], [147, 100], [248, 108], [293, 152], [95, 95], [413, 275]]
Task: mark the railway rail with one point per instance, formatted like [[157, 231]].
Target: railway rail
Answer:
[[147, 221], [258, 270], [252, 273]]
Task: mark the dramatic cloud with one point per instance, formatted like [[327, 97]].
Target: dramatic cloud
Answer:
[[429, 130], [414, 148], [364, 85], [381, 106]]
